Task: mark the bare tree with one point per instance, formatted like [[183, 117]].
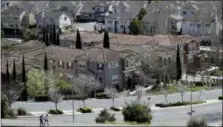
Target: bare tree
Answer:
[[139, 92], [112, 93], [84, 85], [182, 90], [55, 95], [13, 91], [165, 93]]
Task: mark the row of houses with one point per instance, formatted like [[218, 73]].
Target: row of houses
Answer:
[[113, 66]]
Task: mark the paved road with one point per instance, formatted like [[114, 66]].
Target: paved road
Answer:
[[105, 103], [171, 117]]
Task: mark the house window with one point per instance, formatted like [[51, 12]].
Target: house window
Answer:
[[100, 79], [65, 18], [82, 65], [207, 25], [127, 62], [109, 21], [109, 65], [192, 13], [114, 79], [62, 64], [15, 18], [100, 67], [11, 25], [184, 12], [198, 25], [169, 60], [164, 61], [54, 68], [68, 66]]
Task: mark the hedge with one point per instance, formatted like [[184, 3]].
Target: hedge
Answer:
[[115, 109], [220, 98], [178, 104], [55, 112], [84, 110]]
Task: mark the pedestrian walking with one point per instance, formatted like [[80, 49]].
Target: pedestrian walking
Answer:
[[41, 120], [46, 120]]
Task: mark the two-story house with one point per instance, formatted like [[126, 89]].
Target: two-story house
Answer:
[[11, 21], [104, 64], [119, 18], [60, 19]]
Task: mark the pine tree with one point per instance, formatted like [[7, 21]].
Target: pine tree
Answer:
[[45, 62], [14, 71], [51, 34], [47, 36], [58, 39], [7, 72], [106, 43], [178, 65], [54, 34], [78, 40]]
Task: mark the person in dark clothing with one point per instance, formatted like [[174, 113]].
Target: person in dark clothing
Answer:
[[41, 120]]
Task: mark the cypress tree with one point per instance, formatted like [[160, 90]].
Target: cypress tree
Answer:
[[23, 70], [124, 30], [178, 65], [45, 63], [54, 34], [14, 71], [24, 95], [51, 34], [58, 39], [7, 72], [47, 37], [78, 40], [106, 43], [44, 33], [115, 26]]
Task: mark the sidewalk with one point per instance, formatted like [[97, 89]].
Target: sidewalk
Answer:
[[97, 110]]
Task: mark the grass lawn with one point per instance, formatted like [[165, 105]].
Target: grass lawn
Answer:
[[173, 89], [128, 123]]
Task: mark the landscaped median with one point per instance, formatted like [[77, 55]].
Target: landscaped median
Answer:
[[162, 105]]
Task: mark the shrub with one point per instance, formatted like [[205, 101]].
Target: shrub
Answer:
[[42, 98], [21, 112], [74, 97], [105, 116], [84, 110], [115, 109], [102, 96], [197, 122], [220, 98], [4, 106], [55, 112], [136, 112], [11, 114], [199, 84]]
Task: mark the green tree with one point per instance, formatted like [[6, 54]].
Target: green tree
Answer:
[[178, 64], [45, 62], [106, 42], [135, 26], [14, 77], [64, 86], [116, 27], [78, 40], [35, 83], [142, 13]]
